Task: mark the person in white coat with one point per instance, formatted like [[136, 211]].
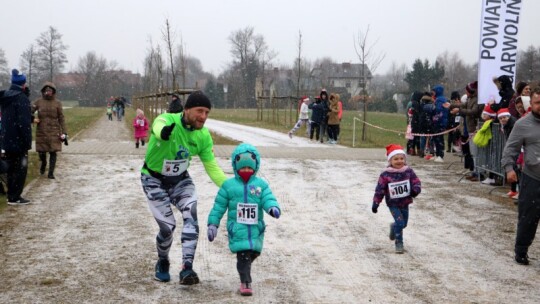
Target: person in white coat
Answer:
[[303, 117]]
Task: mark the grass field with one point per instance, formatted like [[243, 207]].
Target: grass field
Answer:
[[375, 138], [77, 119]]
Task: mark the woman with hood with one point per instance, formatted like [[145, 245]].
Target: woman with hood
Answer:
[[51, 129], [504, 84]]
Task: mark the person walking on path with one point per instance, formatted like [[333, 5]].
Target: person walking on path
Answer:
[[244, 197], [174, 140], [525, 135], [51, 128], [175, 105], [140, 124], [333, 119], [303, 116], [398, 185], [326, 108], [16, 136]]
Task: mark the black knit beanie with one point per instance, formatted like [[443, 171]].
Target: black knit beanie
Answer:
[[197, 99]]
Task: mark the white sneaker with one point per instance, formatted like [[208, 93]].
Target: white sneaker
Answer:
[[488, 181], [439, 160]]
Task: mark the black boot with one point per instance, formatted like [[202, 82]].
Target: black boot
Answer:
[[52, 164], [142, 142], [137, 145], [43, 159]]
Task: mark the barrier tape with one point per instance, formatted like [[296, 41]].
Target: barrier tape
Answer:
[[413, 134]]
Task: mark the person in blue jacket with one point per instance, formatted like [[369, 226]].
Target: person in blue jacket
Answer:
[[244, 197], [440, 112]]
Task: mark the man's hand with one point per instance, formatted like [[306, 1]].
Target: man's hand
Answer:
[[166, 131], [511, 176]]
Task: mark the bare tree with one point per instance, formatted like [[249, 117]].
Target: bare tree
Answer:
[[51, 56], [169, 43], [28, 63], [369, 59], [323, 69], [182, 61], [97, 75], [528, 65], [4, 70], [299, 63], [397, 77], [247, 49]]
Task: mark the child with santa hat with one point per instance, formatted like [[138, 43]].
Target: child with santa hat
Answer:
[[398, 185]]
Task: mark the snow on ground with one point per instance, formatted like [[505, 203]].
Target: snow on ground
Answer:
[[261, 137], [88, 237]]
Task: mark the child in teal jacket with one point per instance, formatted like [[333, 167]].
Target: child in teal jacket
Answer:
[[244, 197]]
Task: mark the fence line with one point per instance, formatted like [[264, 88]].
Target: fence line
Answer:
[[488, 158]]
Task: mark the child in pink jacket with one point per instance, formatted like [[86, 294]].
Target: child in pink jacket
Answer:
[[140, 124]]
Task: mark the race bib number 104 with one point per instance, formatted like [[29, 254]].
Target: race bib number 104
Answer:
[[399, 189]]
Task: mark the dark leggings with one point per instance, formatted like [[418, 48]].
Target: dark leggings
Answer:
[[315, 129], [528, 213], [243, 264]]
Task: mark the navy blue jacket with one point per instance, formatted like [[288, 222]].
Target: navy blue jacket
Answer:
[[318, 112], [16, 131]]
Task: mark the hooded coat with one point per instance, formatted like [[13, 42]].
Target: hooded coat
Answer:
[[140, 125], [232, 197], [16, 130], [440, 114], [51, 122], [504, 83]]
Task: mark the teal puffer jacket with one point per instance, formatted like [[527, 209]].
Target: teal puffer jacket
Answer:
[[236, 198]]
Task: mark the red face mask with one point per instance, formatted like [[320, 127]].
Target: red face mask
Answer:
[[245, 175]]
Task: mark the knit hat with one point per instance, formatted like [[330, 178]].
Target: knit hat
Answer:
[[305, 98], [393, 149], [488, 111], [503, 112], [472, 87], [455, 95], [17, 78], [197, 99]]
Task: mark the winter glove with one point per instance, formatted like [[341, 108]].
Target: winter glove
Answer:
[[166, 131], [274, 212], [374, 207], [64, 138], [212, 232]]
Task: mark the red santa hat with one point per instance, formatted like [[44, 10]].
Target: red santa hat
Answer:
[[488, 111], [503, 112], [393, 149], [305, 98]]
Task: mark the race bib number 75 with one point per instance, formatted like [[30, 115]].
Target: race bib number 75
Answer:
[[247, 213], [399, 189]]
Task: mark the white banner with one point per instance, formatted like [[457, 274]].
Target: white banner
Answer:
[[498, 45]]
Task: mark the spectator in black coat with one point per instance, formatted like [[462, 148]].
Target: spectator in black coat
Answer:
[[16, 136], [504, 84]]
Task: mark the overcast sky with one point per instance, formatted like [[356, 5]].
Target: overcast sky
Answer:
[[120, 30]]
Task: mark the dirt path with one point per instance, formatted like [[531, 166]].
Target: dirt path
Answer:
[[88, 236]]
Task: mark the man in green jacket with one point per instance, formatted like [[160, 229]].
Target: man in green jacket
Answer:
[[175, 138]]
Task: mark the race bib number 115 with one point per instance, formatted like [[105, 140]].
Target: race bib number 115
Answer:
[[247, 213]]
